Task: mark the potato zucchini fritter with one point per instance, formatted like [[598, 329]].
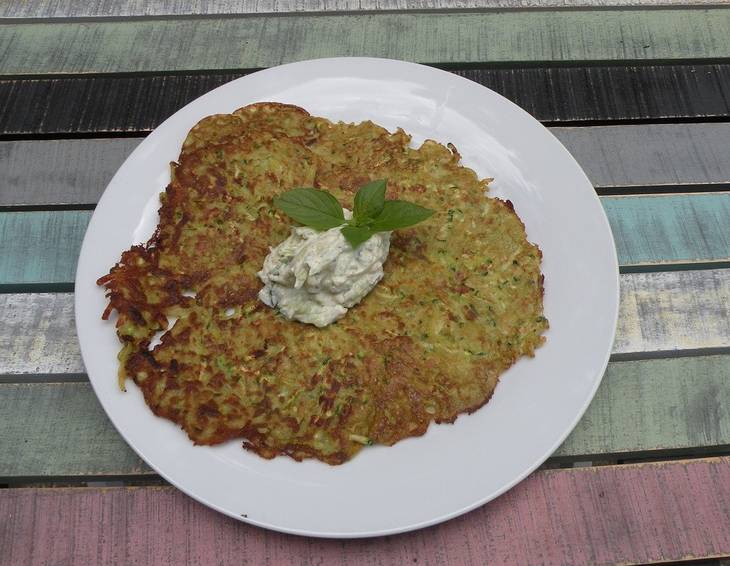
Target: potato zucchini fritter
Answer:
[[460, 302]]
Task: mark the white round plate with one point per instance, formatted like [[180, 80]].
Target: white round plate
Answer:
[[452, 468]]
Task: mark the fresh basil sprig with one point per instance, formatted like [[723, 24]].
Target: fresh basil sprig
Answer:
[[369, 201], [371, 213], [313, 208]]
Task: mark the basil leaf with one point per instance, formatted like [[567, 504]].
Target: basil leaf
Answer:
[[369, 201], [356, 235], [399, 214], [311, 207]]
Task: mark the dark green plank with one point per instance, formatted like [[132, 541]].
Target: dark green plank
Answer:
[[60, 429], [667, 404], [180, 44], [642, 409]]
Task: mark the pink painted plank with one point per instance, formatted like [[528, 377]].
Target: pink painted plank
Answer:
[[614, 514]]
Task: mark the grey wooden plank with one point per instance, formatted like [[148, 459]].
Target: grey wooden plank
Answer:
[[643, 408], [660, 313], [75, 172], [51, 172], [651, 154], [156, 45], [111, 8]]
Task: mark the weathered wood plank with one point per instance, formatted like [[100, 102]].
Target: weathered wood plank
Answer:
[[38, 335], [256, 41], [42, 247], [660, 313], [553, 94], [630, 514], [37, 9], [651, 155], [670, 228], [645, 92], [97, 105], [644, 408], [75, 172], [673, 312], [60, 430], [59, 172], [654, 406]]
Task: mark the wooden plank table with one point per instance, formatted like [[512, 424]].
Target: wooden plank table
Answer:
[[639, 92]]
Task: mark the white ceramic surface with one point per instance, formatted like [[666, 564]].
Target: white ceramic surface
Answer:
[[453, 468]]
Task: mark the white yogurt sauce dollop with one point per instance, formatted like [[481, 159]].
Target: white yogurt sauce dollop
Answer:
[[314, 277]]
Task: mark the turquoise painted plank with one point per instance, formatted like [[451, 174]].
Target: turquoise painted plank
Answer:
[[43, 247], [40, 247], [667, 229], [237, 42]]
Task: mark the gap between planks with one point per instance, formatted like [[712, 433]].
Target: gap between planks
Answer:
[[266, 41], [627, 514]]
